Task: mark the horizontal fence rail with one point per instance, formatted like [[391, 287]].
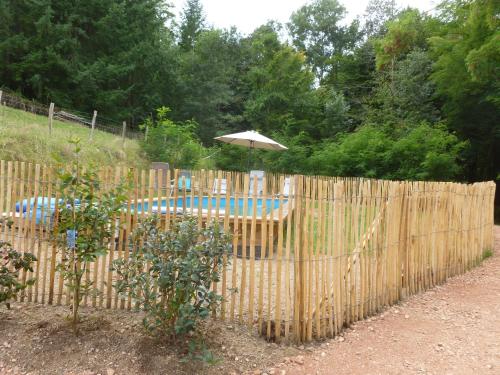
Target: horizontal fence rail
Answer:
[[310, 255]]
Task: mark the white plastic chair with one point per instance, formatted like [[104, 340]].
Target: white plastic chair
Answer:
[[220, 186], [259, 175], [287, 187]]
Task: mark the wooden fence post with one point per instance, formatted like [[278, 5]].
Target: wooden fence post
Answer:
[[51, 115], [299, 324], [1, 93], [124, 129], [94, 117]]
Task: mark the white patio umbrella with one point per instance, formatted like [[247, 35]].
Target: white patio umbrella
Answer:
[[252, 140]]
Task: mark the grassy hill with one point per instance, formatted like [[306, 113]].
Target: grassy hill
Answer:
[[25, 137]]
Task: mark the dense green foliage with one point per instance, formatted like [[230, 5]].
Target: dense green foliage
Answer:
[[170, 273], [86, 216], [466, 74], [425, 153], [174, 143], [112, 55], [398, 93], [11, 263]]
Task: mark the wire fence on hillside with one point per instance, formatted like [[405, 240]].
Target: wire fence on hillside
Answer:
[[100, 123]]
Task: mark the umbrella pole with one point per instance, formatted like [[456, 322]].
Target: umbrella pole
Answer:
[[250, 154]]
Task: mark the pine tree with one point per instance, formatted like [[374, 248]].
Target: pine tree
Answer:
[[193, 23]]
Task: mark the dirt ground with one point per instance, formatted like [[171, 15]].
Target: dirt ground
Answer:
[[451, 329], [37, 339]]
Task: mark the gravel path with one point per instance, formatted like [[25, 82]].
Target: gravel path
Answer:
[[451, 329]]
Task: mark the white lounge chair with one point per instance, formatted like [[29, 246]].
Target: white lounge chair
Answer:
[[288, 187], [259, 176], [220, 186]]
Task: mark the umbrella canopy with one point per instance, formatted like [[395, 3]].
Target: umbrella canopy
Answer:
[[251, 139]]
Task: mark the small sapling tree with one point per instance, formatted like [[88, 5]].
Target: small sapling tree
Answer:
[[86, 214], [170, 274], [11, 263]]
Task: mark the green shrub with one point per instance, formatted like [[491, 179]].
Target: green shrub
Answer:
[[86, 217], [171, 142], [170, 273], [11, 262], [424, 152]]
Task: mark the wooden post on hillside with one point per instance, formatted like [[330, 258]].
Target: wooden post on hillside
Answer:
[[124, 129], [51, 115], [2, 107], [94, 117]]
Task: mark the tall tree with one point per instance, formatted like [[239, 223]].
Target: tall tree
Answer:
[[355, 79], [466, 76], [205, 82], [407, 31], [316, 29], [377, 14], [279, 84], [37, 45], [193, 23], [406, 96], [127, 63], [114, 56]]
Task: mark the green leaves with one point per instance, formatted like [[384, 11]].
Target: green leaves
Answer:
[[112, 55], [175, 143], [466, 77], [86, 215], [170, 274], [11, 263], [316, 29], [424, 153], [192, 25]]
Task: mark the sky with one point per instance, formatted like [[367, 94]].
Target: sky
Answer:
[[247, 15]]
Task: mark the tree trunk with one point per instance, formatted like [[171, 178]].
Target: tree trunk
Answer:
[[76, 296]]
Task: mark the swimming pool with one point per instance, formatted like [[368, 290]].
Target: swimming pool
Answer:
[[194, 203], [43, 208]]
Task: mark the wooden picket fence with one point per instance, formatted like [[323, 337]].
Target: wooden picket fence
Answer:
[[310, 255]]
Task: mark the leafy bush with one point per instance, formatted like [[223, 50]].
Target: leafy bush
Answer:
[[174, 143], [11, 262], [85, 225], [362, 153], [424, 152], [170, 273]]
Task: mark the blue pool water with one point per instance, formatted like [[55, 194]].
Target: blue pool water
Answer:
[[223, 204], [48, 206], [42, 208]]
